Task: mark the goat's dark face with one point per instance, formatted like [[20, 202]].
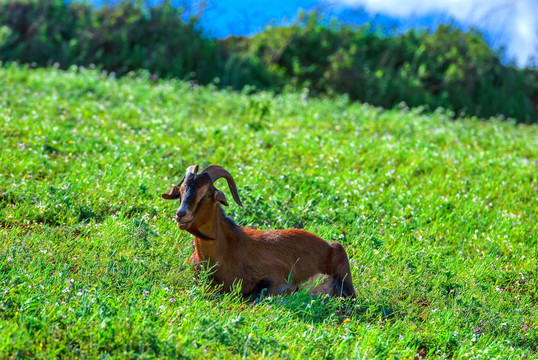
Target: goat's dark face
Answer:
[[198, 198], [194, 192]]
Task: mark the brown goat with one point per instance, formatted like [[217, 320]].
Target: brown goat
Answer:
[[266, 262]]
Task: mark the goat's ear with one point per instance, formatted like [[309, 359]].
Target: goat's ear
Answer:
[[219, 196], [172, 194]]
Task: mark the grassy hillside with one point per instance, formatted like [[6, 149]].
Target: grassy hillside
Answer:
[[438, 217]]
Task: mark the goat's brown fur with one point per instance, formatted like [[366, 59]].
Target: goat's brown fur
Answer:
[[274, 261]]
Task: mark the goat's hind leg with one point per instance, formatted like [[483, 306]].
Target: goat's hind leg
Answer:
[[338, 269], [260, 290], [319, 284]]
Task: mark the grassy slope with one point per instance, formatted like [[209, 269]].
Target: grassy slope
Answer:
[[438, 217]]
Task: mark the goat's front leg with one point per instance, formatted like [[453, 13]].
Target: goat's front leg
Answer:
[[195, 261]]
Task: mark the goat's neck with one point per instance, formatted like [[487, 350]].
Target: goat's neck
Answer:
[[220, 231]]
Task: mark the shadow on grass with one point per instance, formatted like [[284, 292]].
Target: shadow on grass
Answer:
[[317, 309]]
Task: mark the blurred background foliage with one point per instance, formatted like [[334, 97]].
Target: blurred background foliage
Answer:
[[446, 68]]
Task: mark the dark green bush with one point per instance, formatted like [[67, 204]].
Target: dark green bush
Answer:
[[118, 38], [448, 68]]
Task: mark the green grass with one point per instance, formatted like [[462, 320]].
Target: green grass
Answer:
[[439, 218]]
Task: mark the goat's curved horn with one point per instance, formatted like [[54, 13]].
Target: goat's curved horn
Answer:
[[215, 172], [191, 169]]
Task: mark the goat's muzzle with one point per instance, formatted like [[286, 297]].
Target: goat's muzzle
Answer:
[[184, 219], [182, 224]]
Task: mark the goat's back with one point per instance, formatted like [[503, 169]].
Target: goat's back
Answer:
[[293, 254]]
